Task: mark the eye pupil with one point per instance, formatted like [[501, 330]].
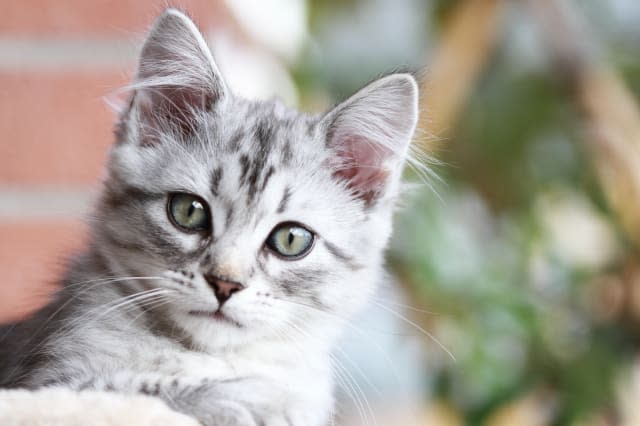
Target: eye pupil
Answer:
[[291, 237], [192, 208]]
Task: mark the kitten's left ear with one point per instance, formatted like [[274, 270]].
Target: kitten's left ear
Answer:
[[177, 77], [369, 135]]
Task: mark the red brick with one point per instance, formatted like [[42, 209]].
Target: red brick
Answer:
[[31, 258], [97, 18], [55, 127]]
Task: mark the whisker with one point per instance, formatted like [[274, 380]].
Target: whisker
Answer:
[[135, 298], [353, 384], [160, 300], [348, 388], [405, 306], [364, 334], [122, 302], [358, 370], [45, 323], [108, 280], [417, 327]]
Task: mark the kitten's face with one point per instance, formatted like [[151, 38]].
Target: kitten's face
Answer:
[[258, 220]]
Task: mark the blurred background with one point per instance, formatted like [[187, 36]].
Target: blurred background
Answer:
[[515, 297]]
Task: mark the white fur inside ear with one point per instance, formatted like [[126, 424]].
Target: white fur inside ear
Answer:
[[63, 407], [176, 53], [370, 133], [177, 82]]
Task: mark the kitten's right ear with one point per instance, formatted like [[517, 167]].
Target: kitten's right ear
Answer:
[[177, 79]]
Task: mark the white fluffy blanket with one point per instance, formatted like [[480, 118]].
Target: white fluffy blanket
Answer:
[[60, 407]]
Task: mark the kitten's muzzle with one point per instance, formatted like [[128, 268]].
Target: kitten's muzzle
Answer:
[[223, 288]]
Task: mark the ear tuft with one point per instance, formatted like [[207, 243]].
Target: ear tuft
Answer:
[[177, 78], [369, 135]]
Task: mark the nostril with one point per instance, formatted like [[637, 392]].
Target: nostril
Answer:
[[223, 288]]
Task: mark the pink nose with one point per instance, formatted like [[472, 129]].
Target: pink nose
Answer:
[[223, 288]]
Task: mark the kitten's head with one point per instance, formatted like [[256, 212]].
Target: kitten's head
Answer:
[[262, 222]]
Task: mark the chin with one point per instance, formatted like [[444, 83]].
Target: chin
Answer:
[[213, 333]]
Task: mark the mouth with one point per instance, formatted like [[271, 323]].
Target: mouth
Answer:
[[217, 316]]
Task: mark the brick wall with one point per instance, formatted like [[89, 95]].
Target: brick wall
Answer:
[[57, 62]]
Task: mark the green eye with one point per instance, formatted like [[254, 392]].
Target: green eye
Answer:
[[290, 240], [188, 212]]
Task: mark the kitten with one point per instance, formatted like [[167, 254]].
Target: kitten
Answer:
[[230, 243]]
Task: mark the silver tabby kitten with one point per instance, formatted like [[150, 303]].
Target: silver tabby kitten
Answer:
[[231, 241]]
